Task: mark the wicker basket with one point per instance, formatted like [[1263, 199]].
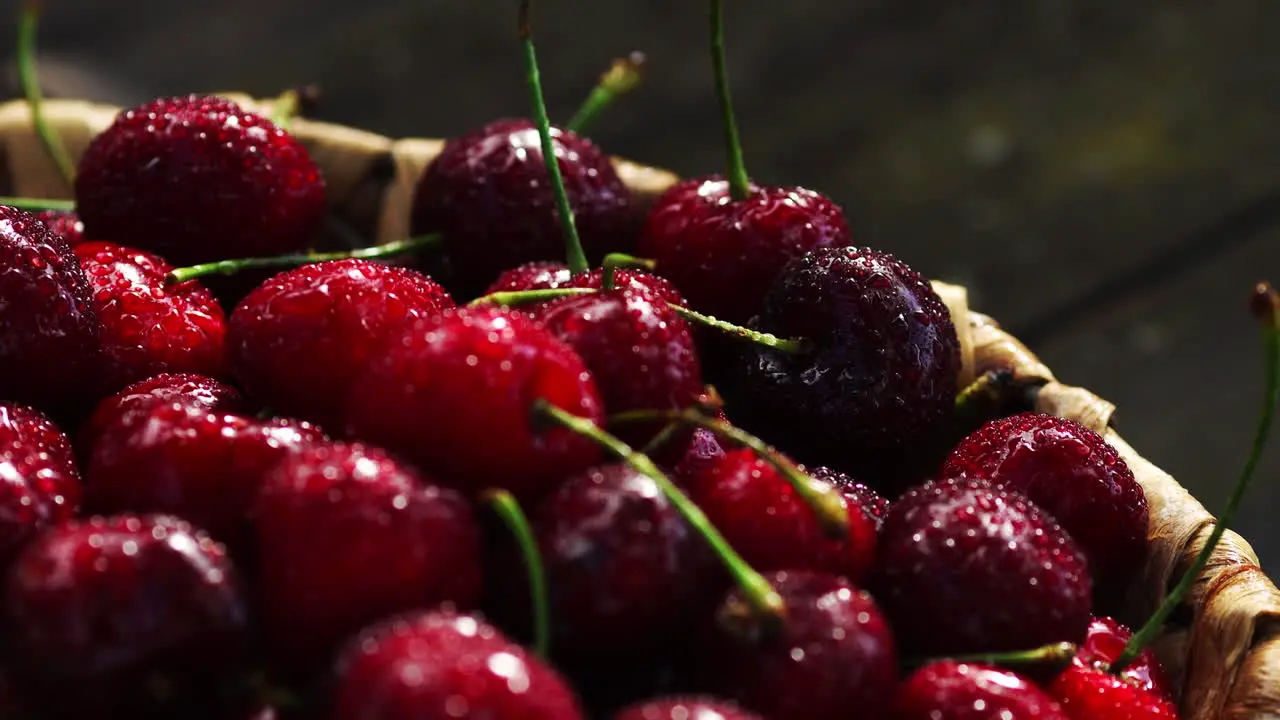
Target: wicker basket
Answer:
[[1223, 652]]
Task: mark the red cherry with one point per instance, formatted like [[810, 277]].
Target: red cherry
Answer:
[[136, 400], [345, 535], [965, 691], [149, 327], [453, 394], [440, 666], [1091, 694], [298, 340]]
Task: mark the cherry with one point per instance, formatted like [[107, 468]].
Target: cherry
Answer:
[[64, 223], [49, 332], [623, 570], [1087, 694], [638, 349], [440, 665], [1070, 471], [346, 535], [967, 691], [202, 466], [873, 395], [965, 566], [39, 483], [147, 327], [298, 340], [685, 708], [452, 392], [198, 178], [771, 525], [1103, 643], [552, 276], [875, 505], [833, 652], [125, 616], [488, 192], [723, 240], [133, 402]]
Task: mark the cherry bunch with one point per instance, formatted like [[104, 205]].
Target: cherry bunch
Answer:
[[721, 467]]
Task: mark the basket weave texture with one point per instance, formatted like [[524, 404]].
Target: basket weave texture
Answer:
[[1223, 652]]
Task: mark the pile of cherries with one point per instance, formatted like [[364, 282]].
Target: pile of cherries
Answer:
[[720, 468]]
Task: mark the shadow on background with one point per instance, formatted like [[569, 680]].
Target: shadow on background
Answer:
[[1104, 176]]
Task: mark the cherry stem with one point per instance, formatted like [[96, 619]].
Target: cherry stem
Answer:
[[763, 599], [521, 297], [739, 181], [576, 259], [37, 204], [791, 346], [29, 79], [623, 76], [824, 499], [285, 108], [509, 511], [231, 267], [613, 261], [1055, 653], [1265, 304]]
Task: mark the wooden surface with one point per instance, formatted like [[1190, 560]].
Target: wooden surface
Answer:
[[1104, 176]]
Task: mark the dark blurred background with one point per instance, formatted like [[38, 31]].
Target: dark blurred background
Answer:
[[1104, 176]]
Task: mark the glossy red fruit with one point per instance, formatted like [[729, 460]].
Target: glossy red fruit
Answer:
[[1105, 640], [63, 223], [454, 394], [624, 570], [126, 615], [488, 192], [549, 276], [49, 333], [639, 350], [345, 535], [136, 400], [298, 341], [202, 466], [875, 505], [39, 482], [685, 708], [149, 327], [873, 396], [439, 666], [768, 523], [965, 567], [834, 652], [1091, 694], [966, 691], [724, 254], [1071, 472], [704, 449], [197, 179]]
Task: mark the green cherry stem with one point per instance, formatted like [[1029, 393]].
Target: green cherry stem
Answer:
[[623, 76], [521, 297], [285, 109], [1265, 304], [508, 510], [29, 79], [1054, 653], [825, 500], [231, 267], [576, 258], [37, 204], [791, 346], [739, 181], [613, 261], [765, 602]]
